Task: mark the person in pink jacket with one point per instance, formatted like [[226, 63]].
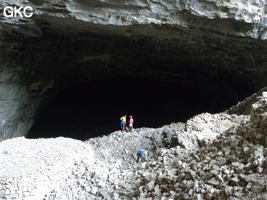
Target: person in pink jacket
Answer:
[[131, 121]]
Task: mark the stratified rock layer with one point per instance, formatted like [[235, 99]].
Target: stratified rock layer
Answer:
[[181, 12]]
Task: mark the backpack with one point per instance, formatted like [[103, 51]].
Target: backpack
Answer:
[[140, 152]]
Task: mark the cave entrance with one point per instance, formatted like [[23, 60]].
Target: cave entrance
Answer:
[[93, 108]]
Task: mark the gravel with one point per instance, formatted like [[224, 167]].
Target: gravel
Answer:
[[212, 156]]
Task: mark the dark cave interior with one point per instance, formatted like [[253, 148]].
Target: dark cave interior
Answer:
[[106, 75], [93, 108]]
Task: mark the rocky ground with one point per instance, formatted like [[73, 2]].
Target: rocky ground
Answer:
[[219, 156]]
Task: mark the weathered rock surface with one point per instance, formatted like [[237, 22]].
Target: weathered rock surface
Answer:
[[125, 12], [244, 107], [256, 129]]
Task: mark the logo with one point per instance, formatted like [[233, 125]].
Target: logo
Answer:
[[14, 11]]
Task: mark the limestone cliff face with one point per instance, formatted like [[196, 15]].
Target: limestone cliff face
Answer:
[[195, 42], [177, 12]]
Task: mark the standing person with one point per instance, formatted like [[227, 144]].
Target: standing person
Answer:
[[131, 121], [142, 155], [123, 122]]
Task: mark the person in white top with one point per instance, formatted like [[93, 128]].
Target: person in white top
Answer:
[[131, 121]]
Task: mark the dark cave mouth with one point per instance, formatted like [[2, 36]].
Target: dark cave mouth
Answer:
[[93, 108], [158, 81]]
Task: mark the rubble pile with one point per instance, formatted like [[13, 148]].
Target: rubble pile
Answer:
[[207, 127], [32, 169], [212, 156], [64, 168], [256, 130], [231, 166]]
